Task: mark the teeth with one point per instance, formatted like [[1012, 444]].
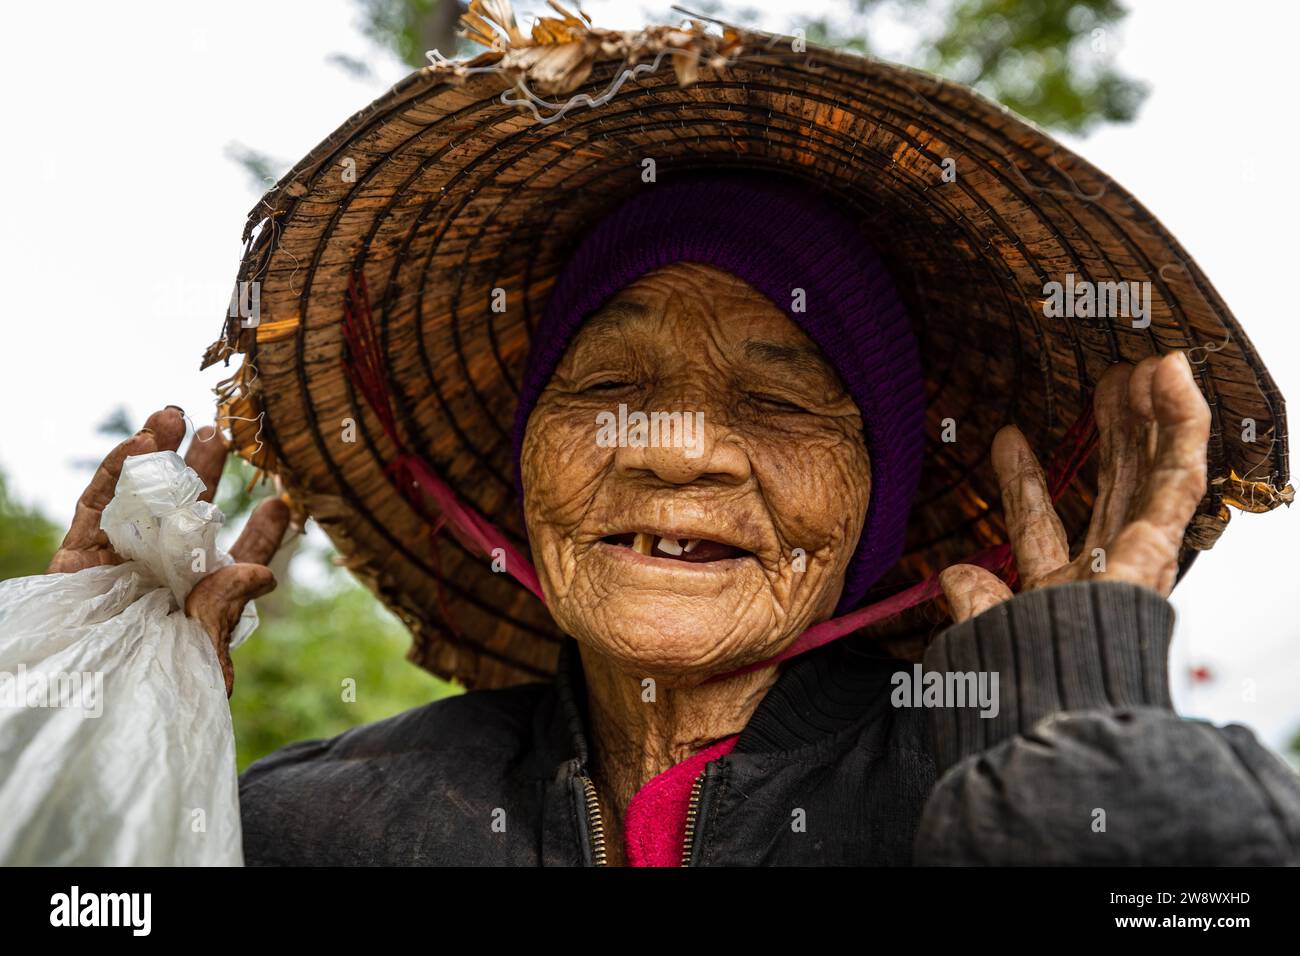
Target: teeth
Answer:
[[691, 544], [670, 546], [643, 543]]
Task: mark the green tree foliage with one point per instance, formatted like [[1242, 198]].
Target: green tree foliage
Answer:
[[1049, 60], [410, 28], [322, 660], [263, 171], [326, 655], [28, 539]]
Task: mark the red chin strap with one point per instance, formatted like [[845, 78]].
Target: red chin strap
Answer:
[[417, 481]]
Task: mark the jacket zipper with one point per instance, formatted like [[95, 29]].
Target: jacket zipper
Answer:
[[596, 822], [692, 811]]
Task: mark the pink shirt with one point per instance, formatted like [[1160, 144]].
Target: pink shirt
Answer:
[[654, 826]]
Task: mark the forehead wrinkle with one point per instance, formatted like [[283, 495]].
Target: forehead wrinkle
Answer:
[[694, 317], [613, 316], [799, 358], [685, 322], [607, 328]]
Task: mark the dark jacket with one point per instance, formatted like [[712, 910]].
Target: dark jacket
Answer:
[[1085, 763]]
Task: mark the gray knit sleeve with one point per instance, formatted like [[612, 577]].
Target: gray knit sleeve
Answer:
[[1083, 760]]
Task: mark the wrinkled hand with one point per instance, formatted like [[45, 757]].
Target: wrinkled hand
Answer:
[[1154, 428], [218, 600]]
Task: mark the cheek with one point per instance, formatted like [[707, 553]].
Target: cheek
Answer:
[[818, 497], [562, 466]]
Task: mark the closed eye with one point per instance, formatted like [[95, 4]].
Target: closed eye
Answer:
[[773, 403], [607, 385]]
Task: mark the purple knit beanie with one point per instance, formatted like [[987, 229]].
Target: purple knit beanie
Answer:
[[778, 238]]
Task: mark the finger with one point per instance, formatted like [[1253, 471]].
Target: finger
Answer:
[[1037, 536], [220, 596], [1177, 479], [162, 430], [263, 533], [971, 590], [227, 669], [1120, 453], [1144, 555], [217, 602], [207, 456], [69, 561], [168, 426], [1139, 400], [84, 532]]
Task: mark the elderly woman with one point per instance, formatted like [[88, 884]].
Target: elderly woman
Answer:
[[784, 345]]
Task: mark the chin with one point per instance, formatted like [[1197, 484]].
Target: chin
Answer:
[[679, 641]]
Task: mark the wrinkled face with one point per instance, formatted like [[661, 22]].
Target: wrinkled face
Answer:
[[712, 532]]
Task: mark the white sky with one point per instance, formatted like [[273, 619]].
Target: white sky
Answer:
[[122, 215]]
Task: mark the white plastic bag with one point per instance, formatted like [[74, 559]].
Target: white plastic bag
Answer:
[[116, 746]]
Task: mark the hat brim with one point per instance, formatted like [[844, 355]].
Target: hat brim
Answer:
[[440, 193]]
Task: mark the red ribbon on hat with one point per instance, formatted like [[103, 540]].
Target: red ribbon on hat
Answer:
[[409, 471]]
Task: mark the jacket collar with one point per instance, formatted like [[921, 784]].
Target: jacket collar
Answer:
[[816, 696]]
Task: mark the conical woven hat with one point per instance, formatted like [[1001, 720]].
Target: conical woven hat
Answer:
[[450, 201]]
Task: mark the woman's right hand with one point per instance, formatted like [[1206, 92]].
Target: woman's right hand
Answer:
[[1154, 427], [218, 600]]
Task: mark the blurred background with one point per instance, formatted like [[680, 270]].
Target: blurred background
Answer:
[[140, 133]]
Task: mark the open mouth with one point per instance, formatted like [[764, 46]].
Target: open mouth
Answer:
[[694, 550]]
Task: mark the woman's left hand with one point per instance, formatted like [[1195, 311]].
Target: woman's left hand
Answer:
[[1154, 428]]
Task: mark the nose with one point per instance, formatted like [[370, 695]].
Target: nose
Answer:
[[681, 447]]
